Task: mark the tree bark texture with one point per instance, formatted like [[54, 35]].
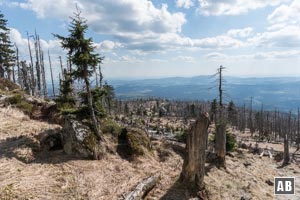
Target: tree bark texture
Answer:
[[194, 162], [143, 188]]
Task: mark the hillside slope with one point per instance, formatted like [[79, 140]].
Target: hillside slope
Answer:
[[28, 173]]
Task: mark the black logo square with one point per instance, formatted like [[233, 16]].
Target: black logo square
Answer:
[[284, 185]]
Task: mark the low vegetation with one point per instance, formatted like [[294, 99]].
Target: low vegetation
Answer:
[[19, 101]]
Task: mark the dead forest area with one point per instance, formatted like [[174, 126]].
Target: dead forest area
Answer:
[[47, 155], [83, 143]]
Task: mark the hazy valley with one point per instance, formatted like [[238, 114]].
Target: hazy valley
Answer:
[[282, 93]]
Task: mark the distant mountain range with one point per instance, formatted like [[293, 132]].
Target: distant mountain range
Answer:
[[277, 92]]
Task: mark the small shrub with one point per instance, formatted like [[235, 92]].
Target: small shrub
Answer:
[[181, 136], [15, 99], [25, 107], [231, 142], [19, 101], [110, 126]]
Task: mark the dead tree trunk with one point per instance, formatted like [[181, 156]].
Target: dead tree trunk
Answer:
[[100, 76], [194, 161], [37, 65], [143, 188], [298, 130], [286, 154], [60, 80], [97, 81], [220, 144], [51, 72], [25, 77], [18, 68], [251, 118], [42, 65], [13, 73], [62, 68], [32, 81]]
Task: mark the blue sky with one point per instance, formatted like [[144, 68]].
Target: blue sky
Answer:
[[160, 38]]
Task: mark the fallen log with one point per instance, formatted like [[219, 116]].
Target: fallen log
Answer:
[[142, 189]]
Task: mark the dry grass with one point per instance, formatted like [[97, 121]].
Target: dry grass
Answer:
[[57, 176], [24, 175], [14, 123]]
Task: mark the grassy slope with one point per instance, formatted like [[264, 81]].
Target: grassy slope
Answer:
[[53, 175]]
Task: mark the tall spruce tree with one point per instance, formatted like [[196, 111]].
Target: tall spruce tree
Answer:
[[7, 53], [82, 55]]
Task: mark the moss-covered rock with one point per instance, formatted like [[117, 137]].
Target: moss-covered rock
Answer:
[[133, 142], [79, 139]]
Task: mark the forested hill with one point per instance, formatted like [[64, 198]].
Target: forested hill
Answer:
[[273, 92]]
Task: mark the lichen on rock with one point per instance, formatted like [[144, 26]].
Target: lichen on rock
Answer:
[[80, 139]]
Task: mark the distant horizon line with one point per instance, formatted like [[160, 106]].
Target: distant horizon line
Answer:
[[231, 76], [165, 77]]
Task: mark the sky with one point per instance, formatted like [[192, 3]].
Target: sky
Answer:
[[165, 38]]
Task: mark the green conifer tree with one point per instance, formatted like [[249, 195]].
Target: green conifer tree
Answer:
[[82, 55], [7, 54]]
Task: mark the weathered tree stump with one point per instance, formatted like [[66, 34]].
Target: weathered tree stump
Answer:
[[194, 162]]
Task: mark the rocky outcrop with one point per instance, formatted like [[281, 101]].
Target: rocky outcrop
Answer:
[[78, 138]]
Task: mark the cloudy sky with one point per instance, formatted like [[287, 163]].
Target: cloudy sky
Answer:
[[163, 38]]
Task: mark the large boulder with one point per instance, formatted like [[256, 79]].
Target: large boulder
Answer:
[[133, 142], [78, 138]]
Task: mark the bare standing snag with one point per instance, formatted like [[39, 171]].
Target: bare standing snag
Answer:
[[194, 162]]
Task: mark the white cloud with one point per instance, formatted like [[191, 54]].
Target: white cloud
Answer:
[[134, 24], [172, 41], [286, 14], [157, 60], [269, 55], [184, 3], [288, 36], [106, 16], [284, 29], [129, 59], [233, 7], [218, 42], [137, 26], [215, 56], [242, 33], [187, 59], [108, 45]]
